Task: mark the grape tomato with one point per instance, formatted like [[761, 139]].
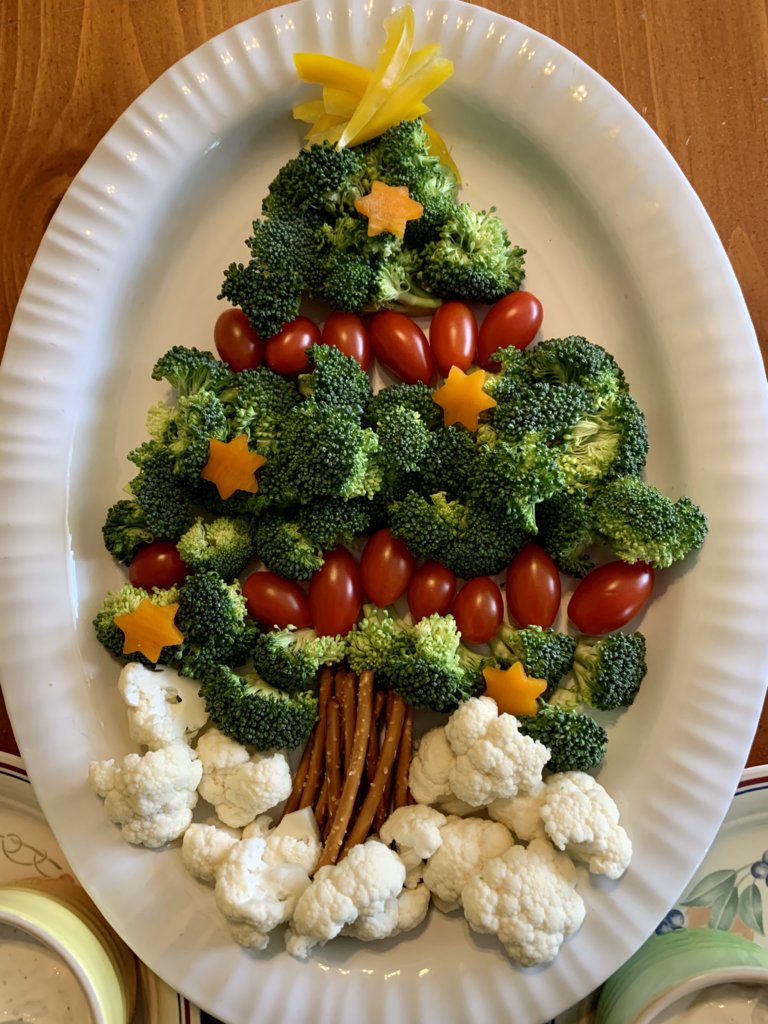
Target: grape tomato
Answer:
[[158, 564], [401, 345], [276, 602], [609, 596], [386, 567], [431, 591], [533, 587], [347, 332], [286, 351], [512, 321], [453, 336], [336, 593], [478, 609], [237, 343]]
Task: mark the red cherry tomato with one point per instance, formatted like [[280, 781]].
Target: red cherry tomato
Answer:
[[401, 345], [386, 567], [157, 564], [478, 609], [236, 341], [336, 594], [533, 587], [431, 590], [286, 351], [276, 602], [348, 333], [609, 596], [453, 336], [512, 321]]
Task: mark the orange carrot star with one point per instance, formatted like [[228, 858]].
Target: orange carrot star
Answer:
[[149, 628], [388, 208], [462, 398], [513, 690], [232, 466]]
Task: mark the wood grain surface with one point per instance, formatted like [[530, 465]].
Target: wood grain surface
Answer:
[[696, 70]]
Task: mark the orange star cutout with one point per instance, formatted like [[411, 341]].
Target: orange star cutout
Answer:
[[149, 628], [388, 208], [462, 398], [231, 466], [513, 690]]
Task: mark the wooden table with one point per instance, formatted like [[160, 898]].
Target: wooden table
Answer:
[[696, 70]]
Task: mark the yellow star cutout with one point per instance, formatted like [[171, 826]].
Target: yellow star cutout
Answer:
[[388, 208], [462, 398], [513, 690], [231, 466], [149, 628]]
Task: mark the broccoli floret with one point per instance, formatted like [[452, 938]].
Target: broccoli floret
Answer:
[[576, 742], [452, 461], [611, 441], [125, 529], [470, 541], [258, 404], [607, 671], [321, 179], [213, 619], [640, 523], [574, 360], [198, 418], [417, 398], [290, 659], [189, 370], [251, 712], [348, 280], [269, 300], [165, 499], [402, 157], [336, 380], [335, 521], [323, 452], [510, 479], [284, 548], [224, 545], [547, 410], [510, 376], [398, 283], [122, 602], [565, 532], [472, 258], [544, 653]]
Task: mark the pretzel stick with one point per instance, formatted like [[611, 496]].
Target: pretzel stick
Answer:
[[300, 777], [321, 806], [390, 743], [372, 753], [317, 755], [341, 819], [346, 687], [332, 754], [403, 761]]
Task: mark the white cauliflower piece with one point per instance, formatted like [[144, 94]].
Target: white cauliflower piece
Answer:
[[400, 914], [467, 844], [581, 818], [204, 849], [296, 840], [528, 898], [254, 895], [162, 705], [370, 875], [498, 761], [150, 796], [415, 832], [431, 766], [522, 813], [238, 784]]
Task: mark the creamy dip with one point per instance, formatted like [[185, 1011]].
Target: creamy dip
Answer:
[[36, 984], [721, 1004]]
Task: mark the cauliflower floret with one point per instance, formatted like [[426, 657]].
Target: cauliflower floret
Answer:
[[296, 840], [467, 843], [522, 813], [582, 819], [362, 883], [255, 896], [431, 765], [528, 898], [162, 705], [238, 784], [150, 796], [415, 832], [498, 761], [204, 849], [400, 914]]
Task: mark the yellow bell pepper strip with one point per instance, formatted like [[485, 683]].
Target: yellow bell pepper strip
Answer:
[[319, 69], [400, 104], [514, 692], [149, 628], [438, 148], [326, 128], [231, 466], [309, 111], [462, 398], [339, 101], [388, 208], [389, 67]]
